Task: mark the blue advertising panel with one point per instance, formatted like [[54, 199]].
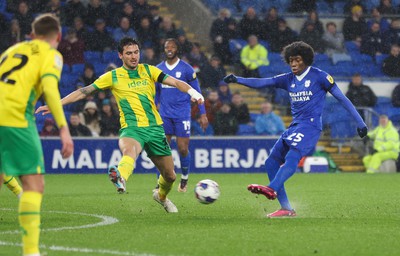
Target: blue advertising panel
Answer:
[[209, 154]]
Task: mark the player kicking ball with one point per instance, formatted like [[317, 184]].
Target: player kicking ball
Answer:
[[133, 86], [307, 87]]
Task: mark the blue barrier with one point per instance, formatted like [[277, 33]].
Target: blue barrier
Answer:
[[209, 154]]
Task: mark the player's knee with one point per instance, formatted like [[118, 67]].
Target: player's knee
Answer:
[[183, 151], [169, 176]]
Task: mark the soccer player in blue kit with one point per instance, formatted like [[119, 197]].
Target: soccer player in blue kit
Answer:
[[175, 106], [307, 87]]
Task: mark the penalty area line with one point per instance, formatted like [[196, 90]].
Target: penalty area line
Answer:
[[79, 250]]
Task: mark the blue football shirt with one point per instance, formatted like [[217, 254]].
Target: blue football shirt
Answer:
[[307, 93], [174, 103]]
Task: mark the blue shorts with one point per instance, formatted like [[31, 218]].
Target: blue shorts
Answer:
[[302, 137], [180, 127]]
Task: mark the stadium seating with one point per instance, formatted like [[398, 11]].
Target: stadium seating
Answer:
[[77, 69], [92, 56], [246, 130]]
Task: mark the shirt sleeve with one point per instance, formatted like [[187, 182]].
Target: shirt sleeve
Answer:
[[105, 81], [50, 75], [155, 73], [326, 81], [194, 83], [52, 65]]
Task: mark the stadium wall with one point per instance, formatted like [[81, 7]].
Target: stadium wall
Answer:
[[209, 155], [195, 16]]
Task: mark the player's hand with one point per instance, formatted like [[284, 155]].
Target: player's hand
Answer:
[[230, 79], [196, 96], [67, 143], [45, 109], [203, 122], [362, 132]]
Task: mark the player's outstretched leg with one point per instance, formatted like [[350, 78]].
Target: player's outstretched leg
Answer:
[[262, 190], [272, 165], [13, 185], [116, 178], [160, 195]]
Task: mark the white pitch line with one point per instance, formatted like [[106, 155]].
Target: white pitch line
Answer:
[[106, 220], [79, 250]]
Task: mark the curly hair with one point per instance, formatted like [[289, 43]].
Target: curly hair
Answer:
[[299, 48]]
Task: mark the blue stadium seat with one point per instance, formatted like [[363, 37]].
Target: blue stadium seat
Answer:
[[111, 57], [321, 57], [380, 58], [323, 8], [68, 80], [351, 47], [394, 114], [383, 105], [265, 44], [246, 130], [253, 117], [274, 57], [77, 69], [66, 69], [92, 56], [266, 71], [338, 7], [99, 68]]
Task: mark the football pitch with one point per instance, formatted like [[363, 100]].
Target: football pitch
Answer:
[[338, 214]]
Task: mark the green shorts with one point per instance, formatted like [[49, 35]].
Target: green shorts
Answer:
[[20, 151], [152, 139]]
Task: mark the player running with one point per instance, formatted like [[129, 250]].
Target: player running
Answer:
[[133, 86], [307, 87], [28, 70], [175, 106]]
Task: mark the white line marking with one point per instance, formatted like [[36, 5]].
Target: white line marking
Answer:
[[106, 220], [79, 250]]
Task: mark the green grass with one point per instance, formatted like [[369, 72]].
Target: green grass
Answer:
[[338, 214]]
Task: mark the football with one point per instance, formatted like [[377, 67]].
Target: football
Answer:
[[207, 191]]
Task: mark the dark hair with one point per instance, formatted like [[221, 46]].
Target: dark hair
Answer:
[[178, 45], [127, 41], [46, 24], [299, 48], [331, 23]]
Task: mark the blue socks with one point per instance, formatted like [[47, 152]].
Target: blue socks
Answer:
[[279, 175], [185, 165]]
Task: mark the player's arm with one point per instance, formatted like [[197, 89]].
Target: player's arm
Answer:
[[74, 96], [203, 116], [52, 97], [184, 87], [362, 128], [257, 83]]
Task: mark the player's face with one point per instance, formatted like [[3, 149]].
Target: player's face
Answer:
[[130, 56], [170, 50], [297, 64]]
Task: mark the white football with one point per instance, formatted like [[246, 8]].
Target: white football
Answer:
[[207, 191]]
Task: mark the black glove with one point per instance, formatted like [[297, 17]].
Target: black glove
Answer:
[[362, 132], [230, 79]]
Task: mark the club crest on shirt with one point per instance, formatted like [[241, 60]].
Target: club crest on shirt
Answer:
[[307, 83], [58, 62], [330, 79], [178, 74]]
